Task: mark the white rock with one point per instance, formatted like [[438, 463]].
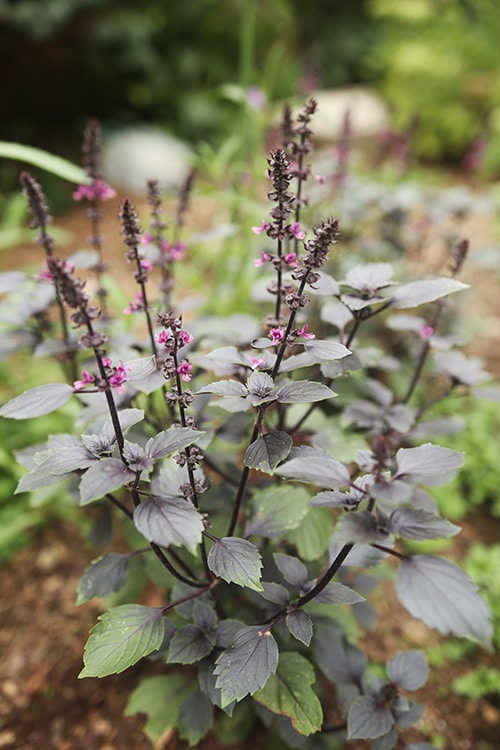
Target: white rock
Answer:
[[368, 114], [135, 155]]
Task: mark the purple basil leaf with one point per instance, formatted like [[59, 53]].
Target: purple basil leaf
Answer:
[[369, 277], [140, 368], [296, 361], [275, 593], [37, 401], [300, 626], [107, 475], [237, 561], [172, 440], [368, 719], [443, 596], [365, 614], [359, 527], [103, 576], [204, 615], [408, 669], [339, 660], [337, 314], [190, 644], [312, 465], [420, 292], [391, 493], [325, 286], [300, 391], [359, 301], [169, 520], [467, 370], [247, 664], [428, 460], [126, 417], [268, 451], [410, 716], [292, 569], [206, 680], [338, 593], [385, 741], [226, 388], [195, 717], [411, 523], [136, 458], [363, 555], [64, 460], [325, 351], [226, 632]]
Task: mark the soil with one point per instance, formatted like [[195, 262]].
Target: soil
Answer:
[[42, 632]]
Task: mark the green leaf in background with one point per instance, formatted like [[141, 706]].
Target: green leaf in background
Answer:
[[289, 692], [276, 510], [311, 537], [160, 698], [39, 158], [122, 637]]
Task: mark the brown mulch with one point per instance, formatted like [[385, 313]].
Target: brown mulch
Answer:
[[42, 635]]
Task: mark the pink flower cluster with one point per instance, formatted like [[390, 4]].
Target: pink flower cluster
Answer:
[[46, 275], [116, 376], [184, 370], [290, 259], [295, 229], [278, 334], [136, 306], [171, 251], [97, 190], [165, 337]]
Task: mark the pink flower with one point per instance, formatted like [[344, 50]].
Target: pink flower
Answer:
[[177, 251], [426, 332], [320, 179], [264, 258], [185, 337], [119, 376], [147, 238], [135, 306], [146, 264], [256, 363], [44, 275], [276, 335], [263, 228], [87, 379], [98, 190], [302, 332], [256, 98], [164, 336], [297, 232], [184, 370], [290, 259]]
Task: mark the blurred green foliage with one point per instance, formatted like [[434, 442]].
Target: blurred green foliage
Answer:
[[151, 60], [475, 489], [437, 64]]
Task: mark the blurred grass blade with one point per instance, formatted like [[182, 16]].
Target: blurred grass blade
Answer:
[[39, 158]]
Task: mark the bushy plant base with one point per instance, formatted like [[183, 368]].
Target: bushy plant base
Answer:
[[266, 469]]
